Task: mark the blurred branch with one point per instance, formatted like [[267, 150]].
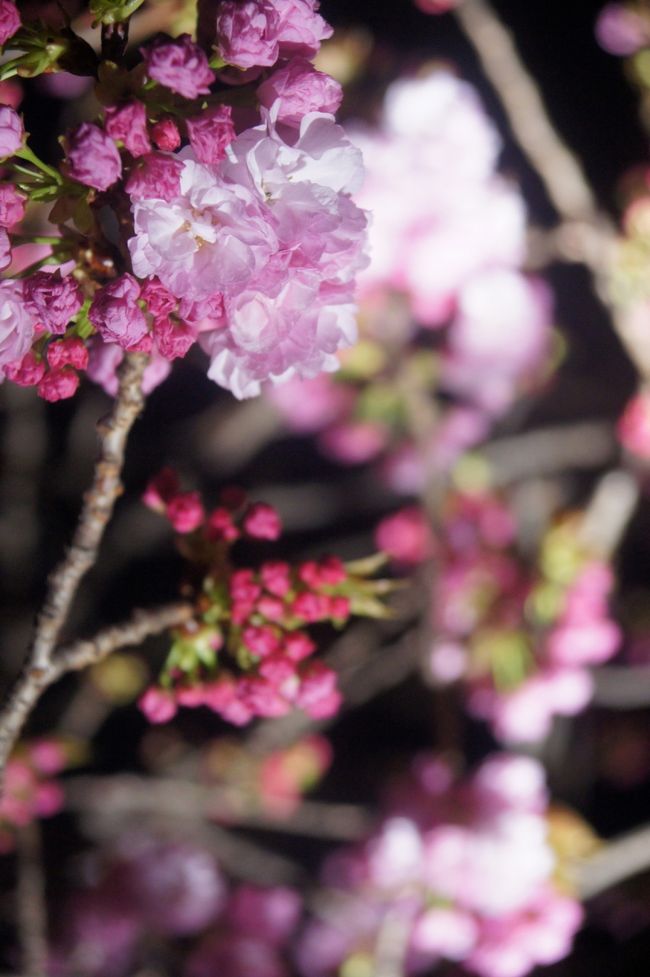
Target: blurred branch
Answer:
[[558, 168], [63, 583], [622, 688], [620, 859], [587, 444], [30, 902], [128, 794]]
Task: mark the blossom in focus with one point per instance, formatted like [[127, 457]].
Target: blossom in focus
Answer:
[[299, 89], [53, 300], [180, 65], [116, 314], [128, 123], [92, 158], [256, 33]]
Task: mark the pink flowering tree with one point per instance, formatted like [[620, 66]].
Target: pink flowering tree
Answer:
[[340, 666]]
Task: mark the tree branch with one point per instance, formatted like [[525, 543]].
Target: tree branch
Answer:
[[63, 583], [559, 169], [30, 902], [620, 859]]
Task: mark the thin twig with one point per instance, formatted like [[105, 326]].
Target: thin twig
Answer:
[[30, 902], [82, 554], [141, 625]]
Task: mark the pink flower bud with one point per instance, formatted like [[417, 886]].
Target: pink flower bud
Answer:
[[211, 133], [173, 339], [158, 705], [262, 641], [405, 536], [179, 65], [436, 6], [53, 300], [262, 522], [165, 135], [128, 124], [634, 426], [163, 487], [160, 301], [221, 526], [58, 385], [298, 645], [185, 512], [317, 693], [12, 132], [12, 205], [299, 89], [115, 312], [155, 176], [9, 20], [68, 352], [247, 33], [275, 577], [92, 157], [27, 372]]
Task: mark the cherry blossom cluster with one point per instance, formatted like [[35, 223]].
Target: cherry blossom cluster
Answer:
[[145, 886], [521, 639], [238, 236], [248, 651], [274, 783], [457, 870], [29, 790], [443, 300]]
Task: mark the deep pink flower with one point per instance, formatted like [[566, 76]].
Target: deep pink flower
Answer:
[[158, 705], [317, 693], [58, 384], [16, 324], [180, 65], [160, 301], [92, 157], [128, 123], [161, 489], [299, 88], [406, 536], [68, 352], [210, 133], [301, 28], [52, 299], [12, 205], [247, 33], [155, 176], [173, 339], [115, 312], [185, 512], [12, 132], [9, 20], [165, 135], [26, 372], [262, 522]]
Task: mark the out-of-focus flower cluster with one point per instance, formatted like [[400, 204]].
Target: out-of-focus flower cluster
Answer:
[[443, 301], [148, 888], [520, 639], [242, 237], [30, 790], [274, 783], [458, 870], [248, 651]]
